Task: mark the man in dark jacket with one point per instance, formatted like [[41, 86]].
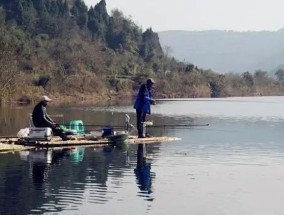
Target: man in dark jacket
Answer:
[[143, 104], [41, 118]]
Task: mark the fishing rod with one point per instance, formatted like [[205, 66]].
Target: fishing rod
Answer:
[[127, 125], [96, 125], [179, 125], [149, 126]]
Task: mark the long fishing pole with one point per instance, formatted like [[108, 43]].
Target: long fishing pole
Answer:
[[179, 125], [96, 125], [149, 126]]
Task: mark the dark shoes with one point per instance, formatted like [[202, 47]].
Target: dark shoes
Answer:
[[148, 135], [145, 136], [65, 137], [141, 136]]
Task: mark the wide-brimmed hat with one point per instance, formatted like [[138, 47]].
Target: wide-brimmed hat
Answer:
[[46, 98]]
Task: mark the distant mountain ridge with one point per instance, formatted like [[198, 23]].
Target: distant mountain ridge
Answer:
[[227, 51]]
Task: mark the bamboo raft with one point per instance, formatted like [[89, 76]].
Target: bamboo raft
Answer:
[[17, 144]]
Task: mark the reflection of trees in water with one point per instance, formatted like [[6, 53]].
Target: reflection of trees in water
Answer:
[[101, 163], [15, 188], [92, 173], [51, 172], [13, 119]]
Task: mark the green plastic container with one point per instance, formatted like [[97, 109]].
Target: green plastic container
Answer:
[[77, 125]]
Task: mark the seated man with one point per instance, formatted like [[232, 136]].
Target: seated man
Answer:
[[41, 118]]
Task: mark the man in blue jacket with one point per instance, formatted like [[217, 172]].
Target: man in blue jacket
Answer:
[[143, 104]]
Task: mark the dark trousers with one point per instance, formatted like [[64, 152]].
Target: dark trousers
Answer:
[[57, 131], [141, 116]]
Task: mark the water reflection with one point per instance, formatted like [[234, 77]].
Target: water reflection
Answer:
[[143, 170], [226, 167], [42, 160]]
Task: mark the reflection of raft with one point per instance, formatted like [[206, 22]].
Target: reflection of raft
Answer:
[[15, 144], [7, 147]]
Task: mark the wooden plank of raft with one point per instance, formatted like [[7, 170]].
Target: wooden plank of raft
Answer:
[[81, 141], [74, 141], [11, 147], [104, 141], [147, 140]]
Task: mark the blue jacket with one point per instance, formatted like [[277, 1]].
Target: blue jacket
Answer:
[[143, 99]]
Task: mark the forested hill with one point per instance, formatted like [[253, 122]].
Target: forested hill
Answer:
[[66, 50], [63, 47]]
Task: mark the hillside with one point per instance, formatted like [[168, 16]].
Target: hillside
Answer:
[[73, 53], [66, 49], [227, 51]]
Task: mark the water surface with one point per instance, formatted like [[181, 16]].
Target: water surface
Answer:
[[233, 166]]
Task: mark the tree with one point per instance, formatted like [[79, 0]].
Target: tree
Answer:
[[248, 79], [40, 7], [123, 35], [8, 71], [261, 78], [54, 8], [216, 84], [26, 13], [150, 47], [63, 8], [2, 17], [189, 67], [98, 20], [280, 75], [80, 13]]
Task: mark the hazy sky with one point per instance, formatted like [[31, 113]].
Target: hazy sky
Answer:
[[238, 15]]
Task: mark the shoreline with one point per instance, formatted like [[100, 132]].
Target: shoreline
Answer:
[[95, 99], [81, 99]]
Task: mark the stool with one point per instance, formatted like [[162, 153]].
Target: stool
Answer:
[[77, 125]]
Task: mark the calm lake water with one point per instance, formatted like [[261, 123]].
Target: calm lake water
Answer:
[[234, 166]]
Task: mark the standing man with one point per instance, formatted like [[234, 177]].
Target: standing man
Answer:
[[41, 118], [143, 104]]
